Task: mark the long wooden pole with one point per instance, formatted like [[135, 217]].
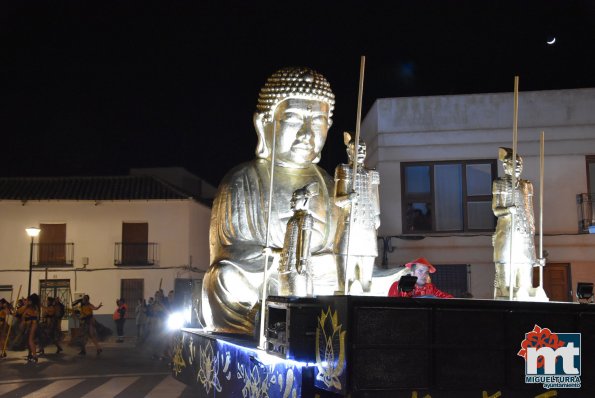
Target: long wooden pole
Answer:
[[11, 322], [358, 121], [513, 180], [265, 276], [541, 173], [362, 68]]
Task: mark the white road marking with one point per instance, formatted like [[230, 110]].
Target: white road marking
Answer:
[[112, 388], [97, 376], [6, 388], [169, 387], [54, 389]]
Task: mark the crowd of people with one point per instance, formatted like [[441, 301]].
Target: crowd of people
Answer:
[[32, 325], [151, 324]]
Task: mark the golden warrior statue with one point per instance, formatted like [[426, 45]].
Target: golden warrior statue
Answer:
[[514, 238], [355, 242], [295, 267], [294, 111]]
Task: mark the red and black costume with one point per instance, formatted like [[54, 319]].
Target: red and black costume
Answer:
[[426, 290]]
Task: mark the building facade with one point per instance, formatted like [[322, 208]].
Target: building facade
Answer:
[[437, 158], [107, 237]]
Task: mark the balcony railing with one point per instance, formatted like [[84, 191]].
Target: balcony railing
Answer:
[[53, 254], [586, 213], [132, 254]]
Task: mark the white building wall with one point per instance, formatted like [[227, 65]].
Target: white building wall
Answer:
[[466, 127], [198, 236], [179, 227]]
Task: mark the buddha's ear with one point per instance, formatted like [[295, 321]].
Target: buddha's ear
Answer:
[[262, 146]]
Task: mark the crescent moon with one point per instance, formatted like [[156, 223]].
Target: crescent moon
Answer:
[[552, 41]]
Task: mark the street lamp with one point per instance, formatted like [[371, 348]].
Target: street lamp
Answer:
[[32, 232]]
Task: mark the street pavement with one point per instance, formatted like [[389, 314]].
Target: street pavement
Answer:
[[121, 370]]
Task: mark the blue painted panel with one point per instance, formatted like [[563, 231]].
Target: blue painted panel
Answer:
[[220, 368]]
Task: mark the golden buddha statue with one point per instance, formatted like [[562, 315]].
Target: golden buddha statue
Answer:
[[294, 111]]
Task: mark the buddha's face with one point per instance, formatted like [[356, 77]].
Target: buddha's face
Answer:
[[302, 126]]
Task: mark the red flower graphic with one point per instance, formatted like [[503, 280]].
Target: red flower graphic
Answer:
[[538, 338]]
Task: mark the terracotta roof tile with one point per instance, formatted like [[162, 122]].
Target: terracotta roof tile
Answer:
[[88, 188]]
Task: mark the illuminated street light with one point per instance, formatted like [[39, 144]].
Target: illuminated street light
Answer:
[[32, 232]]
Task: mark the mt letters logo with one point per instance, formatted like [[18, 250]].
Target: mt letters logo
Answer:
[[552, 359]]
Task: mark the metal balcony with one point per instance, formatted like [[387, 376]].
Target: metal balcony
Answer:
[[53, 255], [135, 254], [586, 213]]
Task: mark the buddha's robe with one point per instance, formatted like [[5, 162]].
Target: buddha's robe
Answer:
[[232, 285]]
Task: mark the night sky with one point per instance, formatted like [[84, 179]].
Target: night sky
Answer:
[[96, 88]]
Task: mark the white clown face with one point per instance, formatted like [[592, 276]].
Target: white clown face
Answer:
[[423, 274]]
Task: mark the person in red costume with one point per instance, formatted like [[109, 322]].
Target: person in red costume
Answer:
[[421, 268]]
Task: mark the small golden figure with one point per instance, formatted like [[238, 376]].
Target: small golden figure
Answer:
[[295, 267]]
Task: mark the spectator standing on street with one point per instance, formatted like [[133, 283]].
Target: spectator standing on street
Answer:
[[120, 318], [140, 314], [158, 325], [148, 324], [170, 300]]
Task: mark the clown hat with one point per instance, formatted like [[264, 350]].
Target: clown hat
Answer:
[[422, 261]]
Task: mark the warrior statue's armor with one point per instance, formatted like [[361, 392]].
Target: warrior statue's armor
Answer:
[[516, 235], [355, 241]]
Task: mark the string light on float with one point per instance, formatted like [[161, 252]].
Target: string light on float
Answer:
[[177, 320]]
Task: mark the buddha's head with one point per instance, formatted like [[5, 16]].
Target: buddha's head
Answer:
[[296, 104]]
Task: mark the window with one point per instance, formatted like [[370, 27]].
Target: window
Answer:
[[591, 173], [447, 196], [53, 249], [6, 292], [132, 290], [585, 202], [135, 248]]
